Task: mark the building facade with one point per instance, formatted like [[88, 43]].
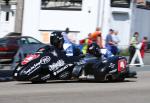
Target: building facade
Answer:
[[40, 17]]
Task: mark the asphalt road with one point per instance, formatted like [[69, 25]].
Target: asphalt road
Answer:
[[130, 91]]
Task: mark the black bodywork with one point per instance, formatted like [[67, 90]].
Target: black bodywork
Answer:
[[49, 63]]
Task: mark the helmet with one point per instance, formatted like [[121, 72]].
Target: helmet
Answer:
[[94, 49], [56, 39]]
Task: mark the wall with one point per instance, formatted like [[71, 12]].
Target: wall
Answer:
[[84, 21], [36, 20], [31, 18], [121, 22], [7, 26], [142, 22], [94, 13]]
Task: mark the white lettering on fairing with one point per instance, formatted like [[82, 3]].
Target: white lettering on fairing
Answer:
[[35, 66], [62, 69], [45, 60], [55, 66]]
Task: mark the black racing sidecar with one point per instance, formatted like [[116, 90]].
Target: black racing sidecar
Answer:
[[49, 63]]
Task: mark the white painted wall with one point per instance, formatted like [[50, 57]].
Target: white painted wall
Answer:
[[31, 18], [82, 21], [7, 26], [142, 22], [105, 17], [121, 22], [94, 13]]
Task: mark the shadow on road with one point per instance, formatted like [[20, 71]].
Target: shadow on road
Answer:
[[74, 81]]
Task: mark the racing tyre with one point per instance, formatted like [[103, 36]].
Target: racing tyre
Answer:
[[100, 73]]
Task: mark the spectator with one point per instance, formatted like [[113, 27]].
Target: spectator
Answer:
[[110, 44], [97, 37], [85, 42], [133, 43], [116, 40], [144, 46]]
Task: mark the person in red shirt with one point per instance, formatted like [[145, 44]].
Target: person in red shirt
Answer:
[[144, 45]]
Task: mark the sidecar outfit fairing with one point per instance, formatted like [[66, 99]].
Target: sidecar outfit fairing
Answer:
[[49, 63], [52, 63]]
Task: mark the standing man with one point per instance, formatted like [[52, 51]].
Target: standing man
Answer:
[[116, 40], [110, 44], [133, 43]]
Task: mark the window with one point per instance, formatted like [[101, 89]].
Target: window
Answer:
[[61, 4], [144, 5], [23, 41], [3, 41], [33, 41], [120, 3], [7, 16]]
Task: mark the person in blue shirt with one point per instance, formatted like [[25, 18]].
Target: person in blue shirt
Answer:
[[110, 44]]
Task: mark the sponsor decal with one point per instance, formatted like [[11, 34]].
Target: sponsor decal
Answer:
[[19, 68], [122, 65], [29, 58], [112, 65], [34, 77], [16, 74], [55, 66], [33, 68], [62, 69], [46, 77], [64, 75], [45, 60]]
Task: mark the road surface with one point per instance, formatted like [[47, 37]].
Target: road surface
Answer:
[[130, 91]]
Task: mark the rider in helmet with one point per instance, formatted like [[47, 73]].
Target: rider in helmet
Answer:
[[57, 40], [94, 50]]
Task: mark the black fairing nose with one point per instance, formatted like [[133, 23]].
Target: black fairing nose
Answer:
[[20, 76], [25, 74]]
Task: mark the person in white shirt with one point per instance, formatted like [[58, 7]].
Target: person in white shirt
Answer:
[[115, 38], [116, 41]]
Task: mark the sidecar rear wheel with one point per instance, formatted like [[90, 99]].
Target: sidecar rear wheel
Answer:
[[100, 74]]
